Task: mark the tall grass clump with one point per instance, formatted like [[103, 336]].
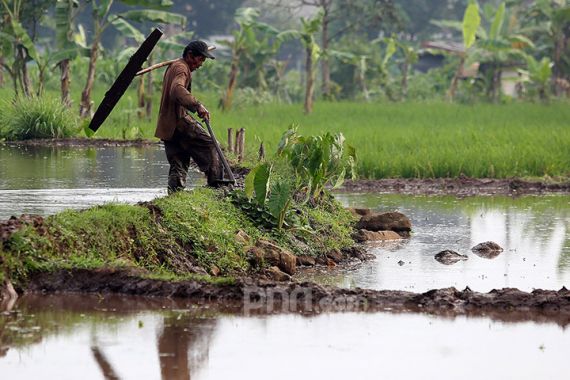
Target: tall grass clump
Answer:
[[36, 118]]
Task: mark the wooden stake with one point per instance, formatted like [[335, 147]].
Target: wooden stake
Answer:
[[230, 140], [261, 152], [241, 144], [236, 142]]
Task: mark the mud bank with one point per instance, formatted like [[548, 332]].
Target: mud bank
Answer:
[[255, 296], [82, 142], [457, 186]]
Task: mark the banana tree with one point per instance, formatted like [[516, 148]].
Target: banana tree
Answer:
[[7, 59], [381, 58], [103, 18], [65, 13], [497, 43], [309, 28], [410, 56], [252, 45], [469, 27], [22, 47], [539, 74], [548, 23], [246, 19], [360, 63]]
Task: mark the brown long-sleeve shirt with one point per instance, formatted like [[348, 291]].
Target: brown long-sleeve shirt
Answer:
[[176, 99]]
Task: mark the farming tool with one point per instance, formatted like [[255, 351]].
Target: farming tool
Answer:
[[227, 169]]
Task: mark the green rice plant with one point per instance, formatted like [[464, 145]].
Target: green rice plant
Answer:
[[427, 140], [36, 118]]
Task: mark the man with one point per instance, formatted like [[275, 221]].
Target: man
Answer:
[[183, 137]]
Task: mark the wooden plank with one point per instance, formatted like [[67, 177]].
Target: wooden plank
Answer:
[[124, 80]]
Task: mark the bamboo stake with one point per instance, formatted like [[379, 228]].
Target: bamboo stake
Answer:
[[165, 63]]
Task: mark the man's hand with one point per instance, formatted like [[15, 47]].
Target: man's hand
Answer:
[[203, 113]]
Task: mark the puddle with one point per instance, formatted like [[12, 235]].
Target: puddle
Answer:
[[534, 231], [89, 337]]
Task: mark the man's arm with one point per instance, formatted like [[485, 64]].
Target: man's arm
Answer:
[[180, 94]]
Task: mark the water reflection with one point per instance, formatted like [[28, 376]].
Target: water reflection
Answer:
[[89, 337], [534, 231], [45, 180], [183, 334]]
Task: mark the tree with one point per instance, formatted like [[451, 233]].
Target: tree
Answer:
[[547, 22], [417, 14], [339, 18], [469, 26], [103, 18], [499, 44], [246, 18], [65, 13], [254, 43], [17, 43], [309, 27], [539, 74], [490, 43]]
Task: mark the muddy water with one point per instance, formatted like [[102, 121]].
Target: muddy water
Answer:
[[44, 180], [534, 232], [89, 337]]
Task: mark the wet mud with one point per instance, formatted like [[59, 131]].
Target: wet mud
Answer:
[[255, 296], [462, 186]]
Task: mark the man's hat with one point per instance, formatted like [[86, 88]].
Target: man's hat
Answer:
[[197, 48]]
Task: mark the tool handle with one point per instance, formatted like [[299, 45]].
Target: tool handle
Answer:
[[220, 153]]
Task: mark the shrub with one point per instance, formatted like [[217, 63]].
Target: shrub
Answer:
[[36, 118]]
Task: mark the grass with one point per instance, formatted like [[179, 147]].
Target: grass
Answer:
[[35, 118], [184, 230], [397, 140]]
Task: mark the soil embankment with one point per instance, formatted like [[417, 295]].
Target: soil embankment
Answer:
[[255, 296], [462, 186]]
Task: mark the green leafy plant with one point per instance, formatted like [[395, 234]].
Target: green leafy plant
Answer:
[[318, 161], [267, 195], [36, 118], [259, 215], [539, 74]]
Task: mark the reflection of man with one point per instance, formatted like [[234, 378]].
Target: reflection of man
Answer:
[[183, 137], [183, 345]]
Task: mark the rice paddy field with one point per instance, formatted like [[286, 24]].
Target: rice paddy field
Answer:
[[396, 140]]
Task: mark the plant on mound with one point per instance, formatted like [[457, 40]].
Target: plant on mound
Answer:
[[36, 118], [305, 166], [318, 161], [266, 198]]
